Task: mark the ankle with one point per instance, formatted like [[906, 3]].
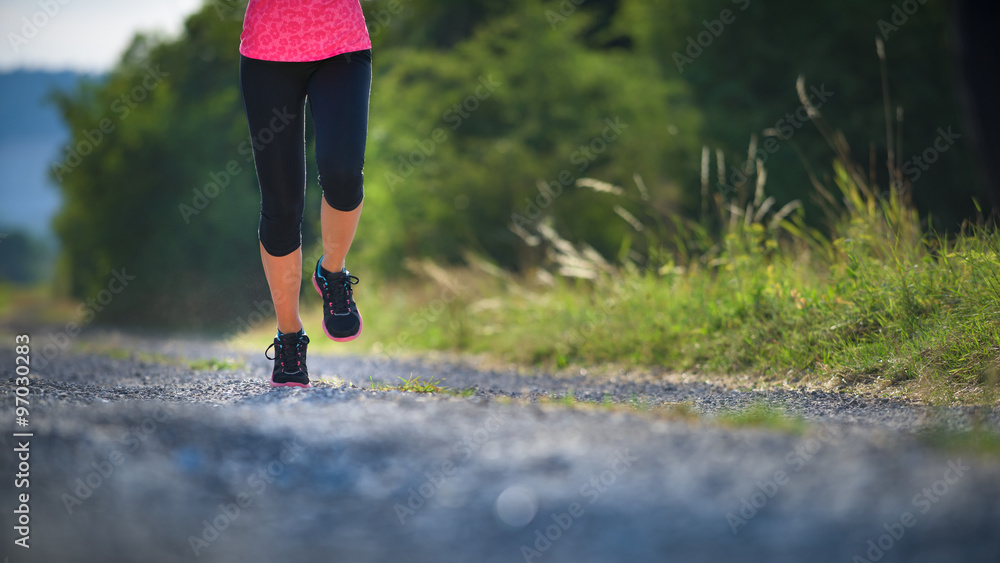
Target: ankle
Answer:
[[289, 329], [332, 267]]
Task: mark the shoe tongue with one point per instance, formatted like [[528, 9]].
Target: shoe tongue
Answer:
[[328, 274], [290, 335]]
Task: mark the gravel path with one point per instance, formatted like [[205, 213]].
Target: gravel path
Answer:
[[138, 460]]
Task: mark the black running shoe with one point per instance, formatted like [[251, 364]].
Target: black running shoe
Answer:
[[289, 360], [341, 318]]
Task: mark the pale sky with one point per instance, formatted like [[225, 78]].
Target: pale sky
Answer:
[[82, 35]]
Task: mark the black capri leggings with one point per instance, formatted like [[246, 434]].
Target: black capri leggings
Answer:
[[274, 95]]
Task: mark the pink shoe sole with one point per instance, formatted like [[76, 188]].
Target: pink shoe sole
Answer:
[[361, 322], [289, 384]]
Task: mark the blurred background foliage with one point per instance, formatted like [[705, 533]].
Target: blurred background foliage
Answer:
[[451, 164]]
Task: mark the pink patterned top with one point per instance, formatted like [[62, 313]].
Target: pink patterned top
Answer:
[[302, 30]]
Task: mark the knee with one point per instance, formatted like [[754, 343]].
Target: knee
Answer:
[[343, 186], [280, 227]]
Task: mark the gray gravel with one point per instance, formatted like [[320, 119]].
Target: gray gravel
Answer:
[[172, 462]]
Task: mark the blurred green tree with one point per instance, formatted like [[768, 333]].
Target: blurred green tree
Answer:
[[743, 76], [462, 137], [23, 258], [154, 182], [474, 104]]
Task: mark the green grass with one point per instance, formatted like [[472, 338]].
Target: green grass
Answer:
[[415, 384], [214, 364], [975, 441], [761, 415]]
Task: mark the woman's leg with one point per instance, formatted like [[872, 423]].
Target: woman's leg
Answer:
[[338, 229], [338, 98], [284, 278], [339, 92], [274, 98]]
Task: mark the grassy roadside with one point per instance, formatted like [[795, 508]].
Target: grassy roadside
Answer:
[[882, 304], [876, 302]]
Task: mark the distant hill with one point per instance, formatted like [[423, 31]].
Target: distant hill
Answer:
[[23, 109], [30, 139]]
